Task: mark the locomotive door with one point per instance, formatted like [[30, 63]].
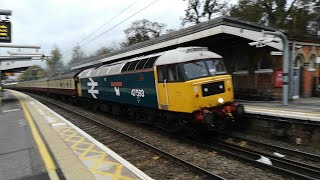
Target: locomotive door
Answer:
[[162, 88]]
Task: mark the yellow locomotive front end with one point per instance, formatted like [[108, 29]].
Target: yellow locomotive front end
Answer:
[[199, 86]]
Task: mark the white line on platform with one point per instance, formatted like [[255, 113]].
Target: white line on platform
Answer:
[[50, 119], [31, 102], [40, 112], [285, 114], [58, 124], [10, 110]]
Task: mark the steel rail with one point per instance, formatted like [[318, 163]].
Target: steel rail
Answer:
[[192, 167], [292, 152], [280, 166]]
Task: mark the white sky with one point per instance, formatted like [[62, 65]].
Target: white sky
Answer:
[[64, 23]]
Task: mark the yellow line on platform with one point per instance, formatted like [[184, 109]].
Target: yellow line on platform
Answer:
[[50, 166]]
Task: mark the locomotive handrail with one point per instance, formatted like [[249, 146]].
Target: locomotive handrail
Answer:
[[167, 97]]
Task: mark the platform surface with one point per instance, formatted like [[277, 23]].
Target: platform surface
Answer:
[[71, 153], [19, 155], [301, 109]]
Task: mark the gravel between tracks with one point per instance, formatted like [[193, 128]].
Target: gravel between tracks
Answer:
[[212, 161]]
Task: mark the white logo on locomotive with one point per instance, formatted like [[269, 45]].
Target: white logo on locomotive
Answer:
[[117, 90], [93, 91]]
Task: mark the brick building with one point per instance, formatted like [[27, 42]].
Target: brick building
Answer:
[[259, 75]]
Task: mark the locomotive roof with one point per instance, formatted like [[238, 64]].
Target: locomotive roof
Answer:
[[185, 54], [178, 55]]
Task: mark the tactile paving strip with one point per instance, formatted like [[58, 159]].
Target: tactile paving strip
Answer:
[[99, 162]]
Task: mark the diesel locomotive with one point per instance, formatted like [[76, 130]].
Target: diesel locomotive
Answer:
[[184, 87]]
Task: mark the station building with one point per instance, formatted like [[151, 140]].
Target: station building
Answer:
[[256, 71]]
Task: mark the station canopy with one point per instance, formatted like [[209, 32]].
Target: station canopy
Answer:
[[221, 35], [15, 64]]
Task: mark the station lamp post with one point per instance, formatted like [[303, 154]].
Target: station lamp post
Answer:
[[285, 67]]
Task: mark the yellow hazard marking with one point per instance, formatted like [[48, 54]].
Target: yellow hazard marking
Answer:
[[98, 158], [156, 157], [243, 143], [49, 164]]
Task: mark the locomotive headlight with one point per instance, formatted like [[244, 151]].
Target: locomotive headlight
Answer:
[[220, 100]]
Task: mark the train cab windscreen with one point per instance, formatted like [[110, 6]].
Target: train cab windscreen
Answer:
[[204, 68]]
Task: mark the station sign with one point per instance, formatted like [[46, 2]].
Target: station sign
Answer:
[[8, 74], [5, 32]]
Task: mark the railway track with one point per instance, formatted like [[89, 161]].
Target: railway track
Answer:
[[166, 163], [275, 148], [281, 165]]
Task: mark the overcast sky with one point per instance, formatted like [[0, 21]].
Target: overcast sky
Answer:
[[64, 23]]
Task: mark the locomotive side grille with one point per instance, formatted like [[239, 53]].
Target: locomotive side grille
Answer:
[[213, 88]]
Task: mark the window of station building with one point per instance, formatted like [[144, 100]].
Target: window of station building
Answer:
[[312, 63], [265, 63], [241, 64]]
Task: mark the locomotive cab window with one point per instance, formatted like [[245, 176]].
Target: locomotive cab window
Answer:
[[204, 68], [162, 73], [174, 73], [170, 73]]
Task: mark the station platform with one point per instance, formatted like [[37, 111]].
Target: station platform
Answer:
[[38, 143], [300, 109]]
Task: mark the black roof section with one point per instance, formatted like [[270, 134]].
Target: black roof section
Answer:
[[222, 20], [65, 76]]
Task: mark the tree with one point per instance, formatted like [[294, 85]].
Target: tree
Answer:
[[294, 16], [201, 10], [104, 50], [315, 22], [54, 63], [77, 55], [32, 73], [142, 30]]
